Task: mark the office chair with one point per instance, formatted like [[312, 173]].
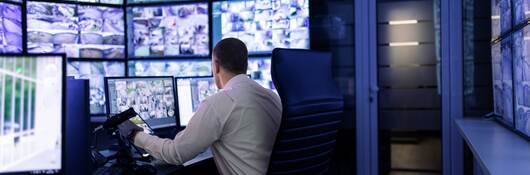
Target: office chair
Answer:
[[312, 112]]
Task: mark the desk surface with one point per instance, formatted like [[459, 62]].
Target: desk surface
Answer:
[[499, 150]]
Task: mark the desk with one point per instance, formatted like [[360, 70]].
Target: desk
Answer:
[[497, 150], [161, 168]]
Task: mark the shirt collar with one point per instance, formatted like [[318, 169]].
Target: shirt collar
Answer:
[[236, 80]]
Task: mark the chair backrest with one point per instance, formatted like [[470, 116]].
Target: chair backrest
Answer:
[[312, 112]]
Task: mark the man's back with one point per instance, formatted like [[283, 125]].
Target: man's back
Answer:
[[252, 117]]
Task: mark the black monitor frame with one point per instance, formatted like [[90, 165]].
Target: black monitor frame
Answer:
[[107, 103], [179, 125], [63, 112]]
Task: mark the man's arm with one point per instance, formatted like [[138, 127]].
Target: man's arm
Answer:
[[202, 131]]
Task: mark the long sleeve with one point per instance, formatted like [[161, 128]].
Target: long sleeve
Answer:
[[203, 129]]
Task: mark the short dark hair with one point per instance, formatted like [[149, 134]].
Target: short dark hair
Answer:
[[232, 55]]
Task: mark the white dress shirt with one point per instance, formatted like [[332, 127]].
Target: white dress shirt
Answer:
[[239, 123]]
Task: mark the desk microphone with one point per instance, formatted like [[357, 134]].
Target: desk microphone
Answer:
[[114, 121]]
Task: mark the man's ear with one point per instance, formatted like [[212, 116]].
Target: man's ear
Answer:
[[216, 67]]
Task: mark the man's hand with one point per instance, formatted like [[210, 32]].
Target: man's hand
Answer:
[[128, 130]]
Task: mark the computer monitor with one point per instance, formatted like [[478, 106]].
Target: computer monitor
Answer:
[[502, 71], [153, 98], [11, 27], [169, 30], [31, 114], [176, 68], [262, 25], [80, 31], [95, 72], [191, 91], [521, 80]]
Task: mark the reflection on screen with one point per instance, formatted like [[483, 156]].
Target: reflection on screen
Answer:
[[30, 114], [152, 98], [191, 92], [170, 68], [263, 25], [169, 30], [80, 31], [11, 28], [522, 80], [96, 72]]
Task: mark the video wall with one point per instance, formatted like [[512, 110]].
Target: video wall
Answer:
[[140, 38], [510, 50]]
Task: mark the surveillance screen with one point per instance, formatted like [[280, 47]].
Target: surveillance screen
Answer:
[[10, 28], [31, 101], [170, 68], [501, 17], [191, 92], [502, 80], [259, 70], [95, 73], [522, 80], [169, 30], [521, 10], [80, 31], [152, 98], [101, 1], [263, 24]]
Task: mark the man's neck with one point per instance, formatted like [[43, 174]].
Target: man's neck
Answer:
[[226, 77]]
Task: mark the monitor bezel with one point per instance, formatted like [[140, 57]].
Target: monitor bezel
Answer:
[[63, 112], [179, 125], [107, 103]]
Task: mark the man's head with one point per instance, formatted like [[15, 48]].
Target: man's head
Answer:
[[229, 58]]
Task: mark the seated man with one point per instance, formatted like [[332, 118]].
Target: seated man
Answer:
[[239, 123]]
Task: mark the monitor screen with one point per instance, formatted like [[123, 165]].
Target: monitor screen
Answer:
[[174, 68], [191, 92], [80, 31], [31, 114], [10, 28], [521, 11], [501, 17], [259, 70], [502, 80], [169, 30], [95, 73], [263, 25], [153, 98], [521, 52], [100, 1]]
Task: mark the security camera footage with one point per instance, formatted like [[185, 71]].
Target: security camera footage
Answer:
[[80, 31], [263, 24], [191, 92], [501, 17], [152, 98], [521, 11], [10, 28], [522, 79], [170, 68], [96, 72], [171, 30], [31, 105], [101, 1], [259, 70], [502, 80]]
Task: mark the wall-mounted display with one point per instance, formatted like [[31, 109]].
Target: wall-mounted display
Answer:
[[521, 11], [100, 1], [80, 31], [169, 30], [259, 70], [263, 24], [501, 17], [521, 52], [96, 72], [502, 80], [10, 28], [176, 68]]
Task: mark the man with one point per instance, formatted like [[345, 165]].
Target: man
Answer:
[[239, 123]]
